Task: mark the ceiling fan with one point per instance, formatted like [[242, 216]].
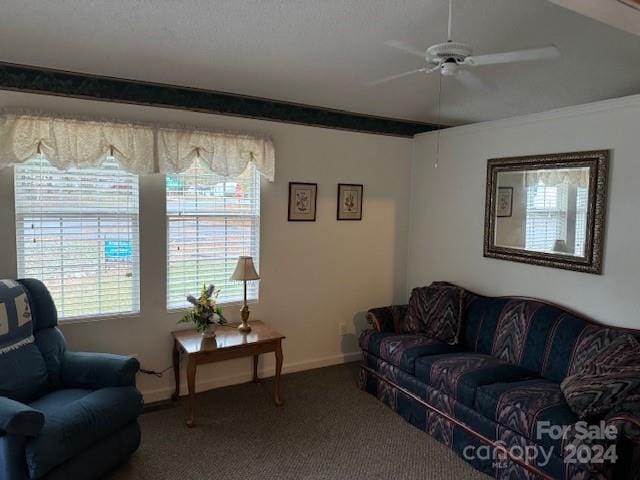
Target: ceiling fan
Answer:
[[454, 59]]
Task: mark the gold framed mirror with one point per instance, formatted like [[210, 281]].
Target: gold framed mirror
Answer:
[[548, 209]]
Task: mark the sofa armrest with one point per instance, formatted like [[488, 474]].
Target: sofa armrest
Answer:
[[98, 370], [19, 419], [387, 319], [627, 423]]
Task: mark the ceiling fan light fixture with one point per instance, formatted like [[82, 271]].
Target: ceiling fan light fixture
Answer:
[[448, 69]]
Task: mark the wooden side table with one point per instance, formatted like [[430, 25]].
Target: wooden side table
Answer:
[[227, 344]]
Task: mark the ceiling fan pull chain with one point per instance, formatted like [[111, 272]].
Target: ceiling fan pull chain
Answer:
[[450, 15], [435, 165]]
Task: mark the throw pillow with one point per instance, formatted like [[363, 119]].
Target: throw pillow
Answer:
[[436, 311], [388, 319], [595, 394], [623, 350]]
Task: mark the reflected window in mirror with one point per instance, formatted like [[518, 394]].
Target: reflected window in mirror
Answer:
[[547, 209]]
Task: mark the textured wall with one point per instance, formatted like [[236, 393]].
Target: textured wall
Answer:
[[314, 275], [447, 208]]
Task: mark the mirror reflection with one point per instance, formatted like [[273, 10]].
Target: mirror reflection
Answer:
[[543, 210]]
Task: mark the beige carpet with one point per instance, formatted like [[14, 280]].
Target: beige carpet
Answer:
[[327, 430]]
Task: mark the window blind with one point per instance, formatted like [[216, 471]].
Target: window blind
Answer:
[[581, 219], [546, 217], [77, 231], [211, 221]]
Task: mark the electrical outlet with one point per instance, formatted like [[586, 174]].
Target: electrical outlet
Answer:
[[343, 329]]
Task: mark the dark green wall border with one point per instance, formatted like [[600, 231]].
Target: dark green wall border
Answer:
[[26, 78]]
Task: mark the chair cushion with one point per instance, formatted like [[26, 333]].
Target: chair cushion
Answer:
[[402, 350], [44, 310], [460, 374], [436, 311], [76, 419], [522, 406]]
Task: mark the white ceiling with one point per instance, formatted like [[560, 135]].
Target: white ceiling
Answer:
[[322, 52]]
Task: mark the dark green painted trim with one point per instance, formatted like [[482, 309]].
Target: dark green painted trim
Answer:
[[25, 78]]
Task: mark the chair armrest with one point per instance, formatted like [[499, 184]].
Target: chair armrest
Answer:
[[387, 319], [19, 419], [98, 370]]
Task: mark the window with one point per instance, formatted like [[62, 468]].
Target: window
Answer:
[[77, 231], [546, 216], [581, 219], [211, 221]]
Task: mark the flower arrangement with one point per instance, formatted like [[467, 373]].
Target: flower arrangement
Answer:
[[205, 310]]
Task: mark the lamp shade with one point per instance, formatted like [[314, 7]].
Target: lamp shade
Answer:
[[245, 270]]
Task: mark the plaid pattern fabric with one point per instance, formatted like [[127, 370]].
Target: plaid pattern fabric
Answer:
[[436, 311]]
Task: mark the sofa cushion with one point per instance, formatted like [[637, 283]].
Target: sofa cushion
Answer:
[[460, 374], [76, 419], [596, 394], [538, 336], [522, 406], [402, 350], [605, 348], [436, 311]]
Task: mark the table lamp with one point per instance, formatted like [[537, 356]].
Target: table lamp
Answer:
[[245, 271]]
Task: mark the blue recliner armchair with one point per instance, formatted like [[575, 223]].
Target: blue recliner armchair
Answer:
[[63, 415]]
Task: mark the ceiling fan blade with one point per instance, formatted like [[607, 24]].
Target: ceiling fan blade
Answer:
[[472, 81], [400, 75], [405, 48], [530, 55]]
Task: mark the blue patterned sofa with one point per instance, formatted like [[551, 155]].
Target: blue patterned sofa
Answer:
[[63, 415], [493, 396]]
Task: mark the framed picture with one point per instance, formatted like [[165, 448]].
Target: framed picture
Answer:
[[302, 201], [504, 202], [349, 201]]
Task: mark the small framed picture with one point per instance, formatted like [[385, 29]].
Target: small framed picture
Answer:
[[350, 201], [302, 201], [504, 202]]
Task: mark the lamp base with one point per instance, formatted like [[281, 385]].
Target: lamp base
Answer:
[[244, 327]]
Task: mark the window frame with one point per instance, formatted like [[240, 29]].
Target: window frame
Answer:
[[257, 180], [134, 218]]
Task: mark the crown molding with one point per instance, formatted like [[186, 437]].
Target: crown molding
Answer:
[[39, 80], [631, 101]]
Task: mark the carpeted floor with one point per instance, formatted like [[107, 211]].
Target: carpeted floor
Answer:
[[327, 430]]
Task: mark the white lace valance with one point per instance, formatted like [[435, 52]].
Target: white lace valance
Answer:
[[224, 153], [67, 142], [138, 148], [553, 177]]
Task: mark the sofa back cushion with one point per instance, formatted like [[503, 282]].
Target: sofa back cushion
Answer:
[[23, 372], [436, 311], [535, 335]]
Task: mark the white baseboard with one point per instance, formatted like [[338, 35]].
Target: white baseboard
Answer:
[[164, 393]]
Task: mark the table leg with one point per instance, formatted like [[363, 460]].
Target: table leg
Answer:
[[191, 383], [176, 370], [278, 398], [256, 359]]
